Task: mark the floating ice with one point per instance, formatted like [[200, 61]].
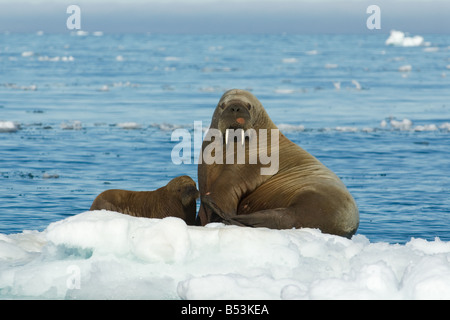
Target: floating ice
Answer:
[[284, 127], [50, 176], [445, 126], [357, 84], [223, 69], [289, 60], [347, 129], [210, 89], [107, 255], [431, 49], [172, 59], [405, 68], [9, 126], [69, 58], [166, 126], [125, 84], [31, 87], [27, 53], [284, 91], [337, 85], [405, 124], [331, 66], [56, 59], [427, 127], [81, 33], [398, 38], [215, 48], [129, 125], [73, 125]]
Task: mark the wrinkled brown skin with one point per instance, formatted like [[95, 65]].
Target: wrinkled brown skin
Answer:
[[303, 193], [176, 199]]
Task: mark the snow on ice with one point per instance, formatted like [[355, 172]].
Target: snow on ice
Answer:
[[107, 255]]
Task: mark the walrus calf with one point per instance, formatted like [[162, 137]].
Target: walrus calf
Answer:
[[176, 199], [299, 192]]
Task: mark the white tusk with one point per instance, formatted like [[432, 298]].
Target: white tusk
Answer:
[[242, 136], [226, 136]]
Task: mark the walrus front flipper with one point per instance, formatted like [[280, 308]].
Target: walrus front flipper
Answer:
[[211, 205], [280, 218]]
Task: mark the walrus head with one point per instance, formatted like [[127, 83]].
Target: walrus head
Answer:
[[235, 110], [184, 188], [239, 109]]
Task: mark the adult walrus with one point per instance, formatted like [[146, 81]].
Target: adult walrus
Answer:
[[301, 193], [176, 199]]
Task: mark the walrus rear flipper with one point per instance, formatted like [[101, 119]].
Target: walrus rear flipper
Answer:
[[280, 218]]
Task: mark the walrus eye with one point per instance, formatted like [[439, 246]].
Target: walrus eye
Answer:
[[249, 106], [222, 105]]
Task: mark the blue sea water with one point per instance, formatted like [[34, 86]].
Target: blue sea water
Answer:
[[95, 112]]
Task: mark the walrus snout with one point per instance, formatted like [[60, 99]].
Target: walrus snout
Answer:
[[235, 115], [184, 188], [188, 195]]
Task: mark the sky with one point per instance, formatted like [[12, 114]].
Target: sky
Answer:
[[226, 16]]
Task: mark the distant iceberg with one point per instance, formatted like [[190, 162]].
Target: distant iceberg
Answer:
[[398, 38]]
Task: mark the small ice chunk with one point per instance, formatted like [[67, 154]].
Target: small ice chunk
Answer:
[[337, 85], [50, 176], [291, 127], [129, 125], [357, 84], [27, 53], [289, 60], [284, 91], [331, 66], [427, 127], [398, 38], [171, 59], [81, 33], [445, 126], [9, 126], [405, 68], [405, 124], [74, 125]]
